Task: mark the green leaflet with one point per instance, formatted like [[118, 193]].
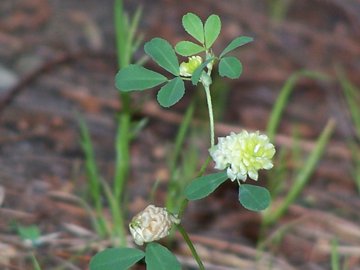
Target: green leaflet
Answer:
[[171, 92], [188, 48], [237, 42], [135, 77], [159, 257], [116, 259], [193, 26], [230, 67], [204, 185], [212, 30], [254, 198], [163, 54]]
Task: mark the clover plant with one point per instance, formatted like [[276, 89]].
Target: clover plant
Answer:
[[237, 156]]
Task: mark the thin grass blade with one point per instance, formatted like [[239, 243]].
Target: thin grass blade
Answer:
[[303, 175], [283, 98]]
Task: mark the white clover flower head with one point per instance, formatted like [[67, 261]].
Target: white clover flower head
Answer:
[[151, 224], [243, 154], [188, 68]]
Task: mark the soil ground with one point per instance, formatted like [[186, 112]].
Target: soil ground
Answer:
[[58, 61]]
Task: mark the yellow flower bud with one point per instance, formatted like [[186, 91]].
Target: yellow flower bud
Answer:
[[187, 69]]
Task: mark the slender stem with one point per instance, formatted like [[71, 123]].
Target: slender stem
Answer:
[[211, 115], [183, 206], [122, 155], [117, 215], [204, 166], [123, 139], [191, 246]]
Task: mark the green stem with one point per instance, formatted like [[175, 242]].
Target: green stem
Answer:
[[117, 215], [123, 139], [204, 166], [191, 246], [211, 115], [183, 207], [120, 33], [122, 155]]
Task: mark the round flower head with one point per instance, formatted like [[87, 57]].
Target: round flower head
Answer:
[[243, 154], [153, 223], [187, 69]]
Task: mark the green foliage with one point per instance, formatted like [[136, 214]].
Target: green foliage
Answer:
[[237, 42], [127, 43], [159, 257], [125, 33], [220, 98], [171, 92], [93, 176], [181, 136], [163, 54], [212, 30], [191, 246], [138, 78], [352, 96], [335, 260], [90, 162], [188, 48], [116, 259], [35, 263], [355, 154], [254, 198], [204, 185], [182, 175], [135, 77], [230, 67], [283, 98], [303, 175], [183, 162], [198, 72], [193, 26], [278, 175], [29, 233]]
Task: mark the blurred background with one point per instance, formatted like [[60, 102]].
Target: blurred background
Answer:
[[58, 59]]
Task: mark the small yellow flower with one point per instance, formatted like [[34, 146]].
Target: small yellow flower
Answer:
[[243, 154], [151, 224], [187, 69]]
